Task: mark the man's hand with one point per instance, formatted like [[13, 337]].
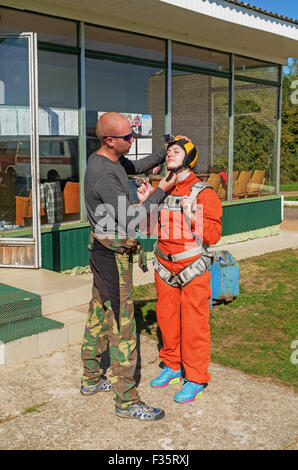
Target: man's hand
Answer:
[[167, 185], [143, 192]]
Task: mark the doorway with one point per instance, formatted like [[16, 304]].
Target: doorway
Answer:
[[20, 239]]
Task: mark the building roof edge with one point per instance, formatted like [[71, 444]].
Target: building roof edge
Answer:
[[261, 10]]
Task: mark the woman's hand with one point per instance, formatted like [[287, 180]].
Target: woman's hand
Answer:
[[186, 205], [143, 192]]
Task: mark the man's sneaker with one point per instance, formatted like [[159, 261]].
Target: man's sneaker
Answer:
[[141, 411], [104, 385], [190, 391]]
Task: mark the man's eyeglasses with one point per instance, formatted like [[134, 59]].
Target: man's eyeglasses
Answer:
[[127, 137]]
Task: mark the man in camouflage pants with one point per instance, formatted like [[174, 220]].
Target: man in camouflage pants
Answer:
[[111, 321]]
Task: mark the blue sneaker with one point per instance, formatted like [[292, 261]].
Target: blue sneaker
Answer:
[[167, 376], [190, 391], [104, 385]]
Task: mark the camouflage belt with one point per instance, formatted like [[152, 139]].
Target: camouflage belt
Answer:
[[129, 246]]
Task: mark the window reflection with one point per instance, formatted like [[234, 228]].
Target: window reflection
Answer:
[[200, 111], [255, 119], [15, 169], [136, 91], [58, 143], [53, 30], [253, 68], [124, 43]]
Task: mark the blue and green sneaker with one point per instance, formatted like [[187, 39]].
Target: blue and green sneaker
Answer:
[[190, 391], [167, 376]]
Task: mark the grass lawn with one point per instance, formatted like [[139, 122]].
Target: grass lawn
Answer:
[[291, 198], [254, 332], [289, 187]]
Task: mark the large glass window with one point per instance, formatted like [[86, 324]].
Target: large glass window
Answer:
[[118, 84], [219, 151], [255, 109], [253, 68], [197, 57], [15, 161], [54, 30], [124, 43], [58, 143], [200, 106], [134, 90]]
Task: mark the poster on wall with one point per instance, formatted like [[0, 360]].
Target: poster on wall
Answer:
[[141, 124]]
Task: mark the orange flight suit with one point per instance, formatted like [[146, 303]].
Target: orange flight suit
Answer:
[[183, 313]]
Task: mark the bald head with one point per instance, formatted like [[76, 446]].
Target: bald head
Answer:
[[112, 124]]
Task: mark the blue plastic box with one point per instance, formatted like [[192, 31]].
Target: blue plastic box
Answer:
[[224, 277]]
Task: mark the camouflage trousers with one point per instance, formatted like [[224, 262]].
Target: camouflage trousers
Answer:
[[111, 324]]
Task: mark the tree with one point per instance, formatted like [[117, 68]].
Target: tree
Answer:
[[253, 140]]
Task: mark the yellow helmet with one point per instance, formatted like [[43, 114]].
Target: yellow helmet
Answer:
[[191, 154]]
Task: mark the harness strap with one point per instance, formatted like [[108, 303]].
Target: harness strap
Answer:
[[178, 256], [197, 268], [196, 189]]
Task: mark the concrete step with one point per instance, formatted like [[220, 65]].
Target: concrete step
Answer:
[[17, 305], [27, 348], [58, 291]]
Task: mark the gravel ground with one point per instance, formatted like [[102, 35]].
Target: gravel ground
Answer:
[[237, 411]]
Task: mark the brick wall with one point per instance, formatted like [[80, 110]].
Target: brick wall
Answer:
[[191, 111]]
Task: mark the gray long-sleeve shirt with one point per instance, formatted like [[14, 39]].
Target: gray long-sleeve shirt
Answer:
[[107, 197]]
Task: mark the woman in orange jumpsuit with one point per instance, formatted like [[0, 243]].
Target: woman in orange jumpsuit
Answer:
[[184, 232]]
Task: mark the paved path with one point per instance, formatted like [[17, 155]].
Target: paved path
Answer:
[[237, 411], [285, 239], [289, 193]]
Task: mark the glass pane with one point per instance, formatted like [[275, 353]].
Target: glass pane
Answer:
[[197, 57], [49, 29], [220, 133], [137, 91], [58, 142], [255, 124], [200, 112], [253, 68], [119, 42], [15, 152]]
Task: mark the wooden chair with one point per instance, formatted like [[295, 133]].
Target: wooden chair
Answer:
[[71, 198], [222, 194], [24, 210], [215, 181], [256, 183], [241, 184], [202, 176], [154, 180], [22, 206], [223, 191], [235, 176]]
